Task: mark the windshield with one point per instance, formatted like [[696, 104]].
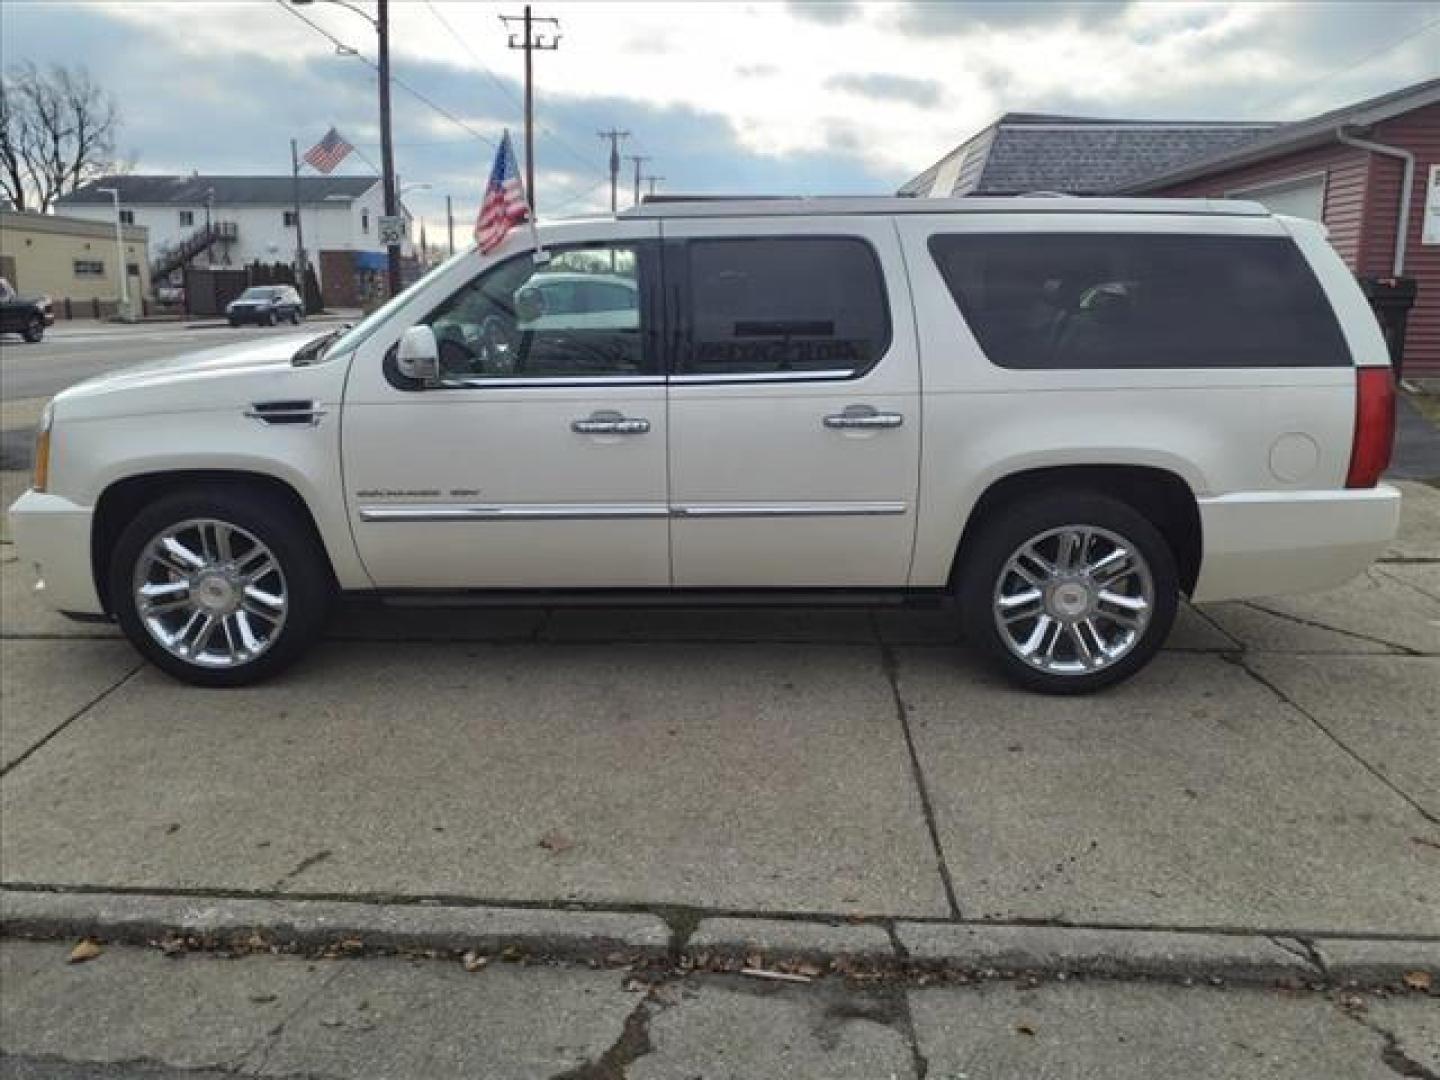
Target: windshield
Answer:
[[259, 294], [362, 330]]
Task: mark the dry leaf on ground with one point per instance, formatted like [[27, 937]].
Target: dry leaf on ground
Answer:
[[85, 949], [1418, 980], [556, 842]]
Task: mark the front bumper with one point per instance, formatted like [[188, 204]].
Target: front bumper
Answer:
[[251, 315], [52, 535], [1268, 543]]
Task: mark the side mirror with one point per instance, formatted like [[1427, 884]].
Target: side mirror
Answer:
[[418, 356]]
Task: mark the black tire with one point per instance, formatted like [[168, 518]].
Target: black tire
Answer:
[[1014, 524], [234, 322], [34, 331], [295, 317], [269, 319], [277, 524]]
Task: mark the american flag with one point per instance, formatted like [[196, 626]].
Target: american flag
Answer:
[[328, 152], [504, 205]]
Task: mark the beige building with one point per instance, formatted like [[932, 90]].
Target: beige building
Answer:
[[67, 258]]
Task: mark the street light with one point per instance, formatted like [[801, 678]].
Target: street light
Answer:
[[124, 311], [381, 23]]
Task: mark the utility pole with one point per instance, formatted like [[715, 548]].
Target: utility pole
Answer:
[[387, 149], [529, 39], [300, 262], [614, 136], [637, 159], [652, 180], [450, 225]]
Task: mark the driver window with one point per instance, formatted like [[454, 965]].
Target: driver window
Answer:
[[577, 315]]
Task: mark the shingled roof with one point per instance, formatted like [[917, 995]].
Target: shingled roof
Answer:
[[1079, 155], [190, 190]]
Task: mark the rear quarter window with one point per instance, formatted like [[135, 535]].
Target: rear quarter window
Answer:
[[1091, 300]]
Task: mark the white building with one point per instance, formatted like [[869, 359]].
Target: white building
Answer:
[[250, 218]]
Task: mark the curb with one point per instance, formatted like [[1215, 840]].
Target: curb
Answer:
[[307, 924], [959, 949]]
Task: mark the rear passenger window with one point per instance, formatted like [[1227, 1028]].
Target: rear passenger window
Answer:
[[772, 305], [1086, 300]]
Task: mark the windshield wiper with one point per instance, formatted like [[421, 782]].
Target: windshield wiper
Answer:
[[311, 351]]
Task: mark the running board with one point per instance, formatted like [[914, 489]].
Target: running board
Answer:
[[660, 598]]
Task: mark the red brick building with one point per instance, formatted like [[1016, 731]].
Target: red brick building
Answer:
[[1369, 171]]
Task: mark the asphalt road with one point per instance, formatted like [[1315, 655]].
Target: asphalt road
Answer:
[[68, 356]]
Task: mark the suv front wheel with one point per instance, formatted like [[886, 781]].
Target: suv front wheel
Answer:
[[220, 588], [1069, 593]]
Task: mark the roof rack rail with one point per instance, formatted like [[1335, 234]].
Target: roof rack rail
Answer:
[[709, 206]]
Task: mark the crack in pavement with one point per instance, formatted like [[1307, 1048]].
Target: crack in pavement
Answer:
[[1392, 1051], [632, 1044], [96, 700], [1314, 625], [1239, 661], [890, 663]]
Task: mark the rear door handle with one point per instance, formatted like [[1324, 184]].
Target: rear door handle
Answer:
[[609, 422], [863, 416]]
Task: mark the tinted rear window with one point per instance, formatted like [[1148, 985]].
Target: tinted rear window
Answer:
[[1087, 300], [771, 305]]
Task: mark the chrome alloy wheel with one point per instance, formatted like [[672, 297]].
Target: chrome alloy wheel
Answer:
[[210, 593], [1074, 600]]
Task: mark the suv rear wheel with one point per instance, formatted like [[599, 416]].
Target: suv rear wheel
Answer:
[[1069, 593], [220, 588], [34, 329]]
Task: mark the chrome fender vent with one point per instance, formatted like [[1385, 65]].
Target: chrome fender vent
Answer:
[[286, 412]]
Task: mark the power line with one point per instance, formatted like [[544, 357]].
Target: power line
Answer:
[[350, 50], [589, 163], [1306, 87]]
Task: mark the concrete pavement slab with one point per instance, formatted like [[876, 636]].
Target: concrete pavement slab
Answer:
[[1419, 536], [1189, 796], [734, 1028], [401, 1019], [751, 778], [1384, 710], [42, 686], [132, 1004], [23, 615], [1423, 577], [1117, 953], [1413, 1022], [1265, 631], [13, 484], [1121, 1031], [1373, 607]]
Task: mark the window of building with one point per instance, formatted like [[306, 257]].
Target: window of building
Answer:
[[772, 305], [187, 218], [1087, 300], [127, 217], [133, 269], [288, 218], [577, 316], [365, 221], [89, 268]]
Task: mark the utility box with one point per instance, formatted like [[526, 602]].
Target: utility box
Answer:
[[1391, 299]]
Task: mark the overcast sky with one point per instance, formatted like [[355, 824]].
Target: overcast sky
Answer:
[[819, 98]]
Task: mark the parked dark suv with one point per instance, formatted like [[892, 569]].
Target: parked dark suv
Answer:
[[266, 305], [26, 316]]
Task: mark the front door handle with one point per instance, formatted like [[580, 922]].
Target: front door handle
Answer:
[[863, 416], [610, 422]]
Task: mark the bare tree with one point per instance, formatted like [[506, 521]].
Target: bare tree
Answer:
[[57, 132]]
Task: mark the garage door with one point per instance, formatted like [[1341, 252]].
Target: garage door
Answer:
[[1303, 197]]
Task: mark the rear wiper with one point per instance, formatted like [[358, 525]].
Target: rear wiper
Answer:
[[311, 350]]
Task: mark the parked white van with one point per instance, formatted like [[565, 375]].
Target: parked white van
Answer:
[[1064, 413]]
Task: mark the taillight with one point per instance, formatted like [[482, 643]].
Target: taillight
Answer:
[[1374, 426]]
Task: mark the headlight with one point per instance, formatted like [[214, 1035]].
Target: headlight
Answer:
[[41, 474]]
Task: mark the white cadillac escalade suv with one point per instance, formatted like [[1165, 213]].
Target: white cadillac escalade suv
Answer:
[[1064, 413]]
